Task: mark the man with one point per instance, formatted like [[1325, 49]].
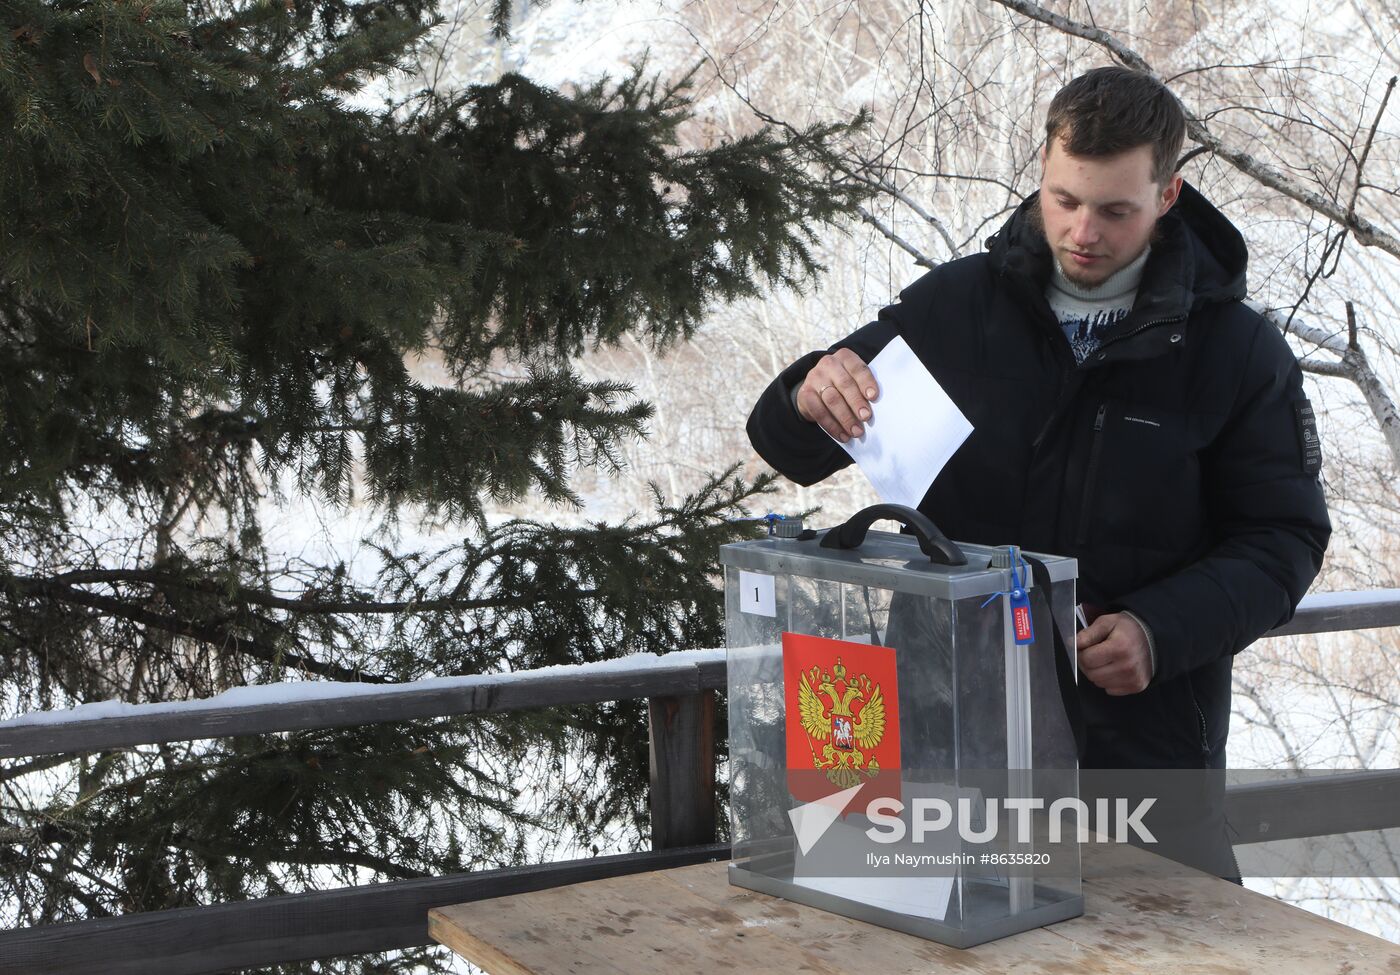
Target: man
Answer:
[[1128, 409]]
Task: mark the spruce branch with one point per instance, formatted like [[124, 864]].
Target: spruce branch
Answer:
[[225, 637], [222, 287], [307, 603]]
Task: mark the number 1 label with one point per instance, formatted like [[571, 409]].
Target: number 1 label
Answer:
[[756, 594]]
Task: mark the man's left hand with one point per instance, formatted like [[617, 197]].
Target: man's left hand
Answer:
[[1113, 653]]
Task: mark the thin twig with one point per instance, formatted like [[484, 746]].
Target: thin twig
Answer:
[[877, 182], [1337, 242], [1333, 243], [860, 176], [1366, 233], [919, 257], [1370, 140]]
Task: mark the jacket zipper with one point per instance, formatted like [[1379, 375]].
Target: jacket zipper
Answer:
[[1091, 476], [1140, 328], [1200, 716]]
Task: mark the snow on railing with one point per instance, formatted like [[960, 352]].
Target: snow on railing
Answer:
[[298, 705]]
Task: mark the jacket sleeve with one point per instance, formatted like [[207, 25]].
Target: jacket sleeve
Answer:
[[1268, 521], [802, 451]]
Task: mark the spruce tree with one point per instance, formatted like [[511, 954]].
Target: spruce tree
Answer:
[[215, 268]]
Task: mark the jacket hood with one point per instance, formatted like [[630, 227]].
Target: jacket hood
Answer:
[[1198, 255]]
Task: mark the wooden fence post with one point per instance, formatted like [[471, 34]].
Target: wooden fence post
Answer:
[[682, 732]]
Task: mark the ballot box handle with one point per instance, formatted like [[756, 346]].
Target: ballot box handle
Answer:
[[932, 542]]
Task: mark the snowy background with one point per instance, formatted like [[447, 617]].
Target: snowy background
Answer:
[[1314, 702]]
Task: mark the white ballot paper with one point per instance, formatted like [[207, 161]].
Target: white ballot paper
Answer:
[[913, 429]]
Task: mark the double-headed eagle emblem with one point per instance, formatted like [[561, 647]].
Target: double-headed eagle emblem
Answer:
[[827, 704]]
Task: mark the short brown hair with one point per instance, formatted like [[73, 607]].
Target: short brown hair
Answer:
[[1110, 110]]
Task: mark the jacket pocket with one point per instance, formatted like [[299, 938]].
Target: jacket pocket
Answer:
[[1091, 476], [1142, 480], [1200, 715]]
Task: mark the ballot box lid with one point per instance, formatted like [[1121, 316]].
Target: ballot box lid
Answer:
[[890, 560]]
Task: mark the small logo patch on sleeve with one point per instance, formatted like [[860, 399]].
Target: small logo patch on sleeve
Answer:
[[1308, 440]]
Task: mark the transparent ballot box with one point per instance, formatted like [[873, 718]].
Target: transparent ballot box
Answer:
[[899, 746]]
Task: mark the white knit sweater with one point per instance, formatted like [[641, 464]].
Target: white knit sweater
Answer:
[[1086, 313]]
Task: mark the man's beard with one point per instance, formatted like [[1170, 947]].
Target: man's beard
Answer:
[[1037, 218]]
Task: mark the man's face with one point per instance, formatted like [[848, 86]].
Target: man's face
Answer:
[[1099, 212]]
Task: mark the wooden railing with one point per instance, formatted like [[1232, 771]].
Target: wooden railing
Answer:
[[680, 688]]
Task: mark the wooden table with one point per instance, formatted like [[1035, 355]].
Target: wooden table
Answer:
[[689, 921]]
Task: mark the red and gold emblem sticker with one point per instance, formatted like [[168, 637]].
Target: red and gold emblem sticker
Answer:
[[842, 718]]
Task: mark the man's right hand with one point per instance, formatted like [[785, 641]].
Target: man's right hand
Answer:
[[837, 394]]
